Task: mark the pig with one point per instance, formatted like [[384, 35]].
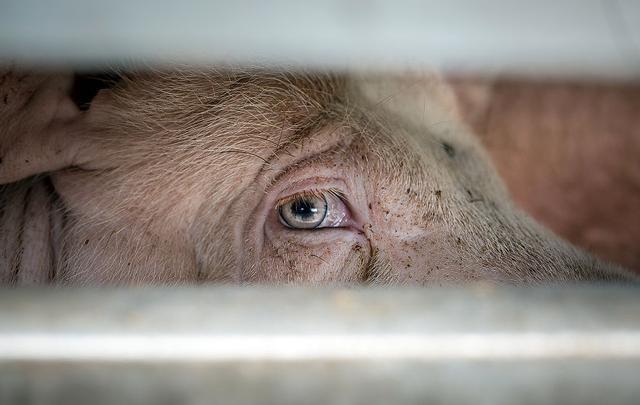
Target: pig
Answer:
[[257, 176]]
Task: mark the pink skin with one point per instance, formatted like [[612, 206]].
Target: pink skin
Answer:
[[177, 177], [365, 229]]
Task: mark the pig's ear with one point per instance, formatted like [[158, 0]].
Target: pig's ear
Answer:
[[40, 124]]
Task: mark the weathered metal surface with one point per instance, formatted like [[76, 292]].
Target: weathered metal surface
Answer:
[[570, 38], [258, 345]]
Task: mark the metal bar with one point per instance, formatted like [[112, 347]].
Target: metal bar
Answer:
[[277, 346], [548, 37]]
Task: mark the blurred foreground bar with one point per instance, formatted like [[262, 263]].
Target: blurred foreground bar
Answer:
[[558, 38], [477, 345]]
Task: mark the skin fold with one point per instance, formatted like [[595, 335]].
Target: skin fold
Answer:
[[182, 176]]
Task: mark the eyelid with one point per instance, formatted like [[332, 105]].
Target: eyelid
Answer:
[[312, 193]]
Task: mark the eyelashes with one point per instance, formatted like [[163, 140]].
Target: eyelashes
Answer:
[[315, 193]]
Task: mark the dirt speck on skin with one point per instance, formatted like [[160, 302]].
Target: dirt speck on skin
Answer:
[[472, 197], [449, 150], [438, 194]]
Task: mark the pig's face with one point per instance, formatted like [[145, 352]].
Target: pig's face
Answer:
[[278, 178]]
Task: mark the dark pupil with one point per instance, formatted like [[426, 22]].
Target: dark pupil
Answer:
[[303, 209]]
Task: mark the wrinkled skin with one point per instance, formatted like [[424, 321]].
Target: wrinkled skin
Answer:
[[176, 177]]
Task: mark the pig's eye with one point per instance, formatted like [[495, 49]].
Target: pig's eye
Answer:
[[313, 210]]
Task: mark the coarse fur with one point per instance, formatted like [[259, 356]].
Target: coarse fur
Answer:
[[172, 177]]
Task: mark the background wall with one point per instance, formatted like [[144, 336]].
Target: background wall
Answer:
[[569, 153]]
